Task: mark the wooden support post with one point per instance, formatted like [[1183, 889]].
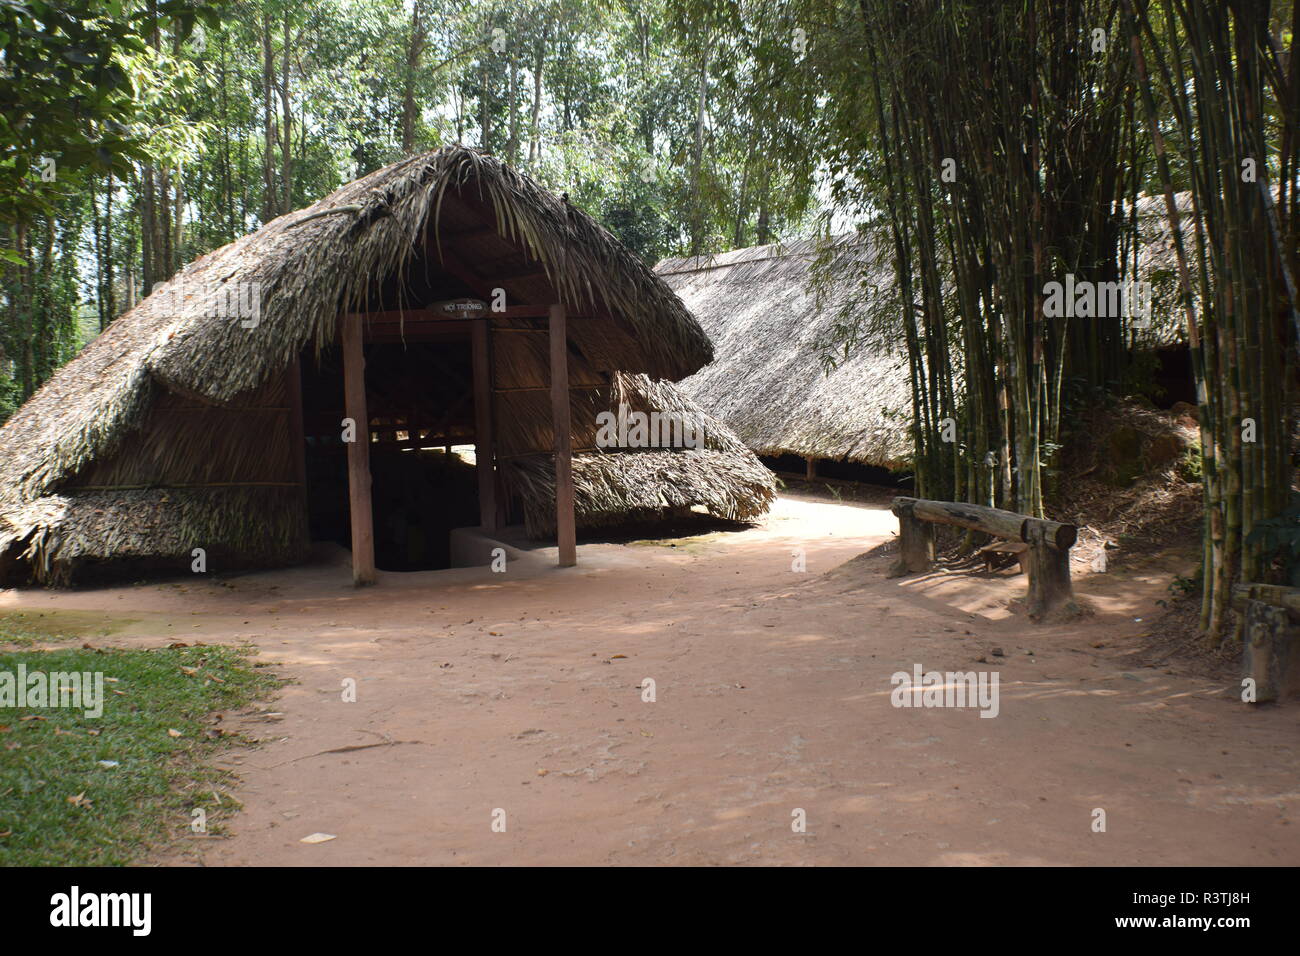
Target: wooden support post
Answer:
[[812, 469], [354, 402], [484, 443], [1271, 645], [1266, 656], [1049, 569], [915, 539], [565, 530]]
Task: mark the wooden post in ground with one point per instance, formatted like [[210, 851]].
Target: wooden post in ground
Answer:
[[484, 443], [1266, 657], [1271, 646], [812, 469], [354, 401], [915, 539], [565, 531], [1049, 567]]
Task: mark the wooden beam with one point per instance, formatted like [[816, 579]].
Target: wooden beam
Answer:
[[484, 445], [354, 392], [565, 530], [399, 316], [573, 387]]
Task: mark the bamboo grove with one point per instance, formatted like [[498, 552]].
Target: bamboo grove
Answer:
[[1006, 146]]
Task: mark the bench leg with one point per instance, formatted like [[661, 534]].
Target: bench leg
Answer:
[[915, 545], [1049, 573]]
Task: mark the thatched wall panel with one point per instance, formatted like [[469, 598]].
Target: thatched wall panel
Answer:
[[183, 442], [523, 360], [237, 527], [524, 419]]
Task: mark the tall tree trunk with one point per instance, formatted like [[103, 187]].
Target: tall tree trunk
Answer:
[[697, 161], [286, 127], [110, 306], [269, 203], [539, 62], [414, 52], [512, 112]]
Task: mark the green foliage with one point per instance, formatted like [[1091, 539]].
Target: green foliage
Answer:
[[1278, 539], [9, 396], [67, 93], [1190, 465]]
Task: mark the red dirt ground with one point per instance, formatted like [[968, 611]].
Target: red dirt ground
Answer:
[[522, 692]]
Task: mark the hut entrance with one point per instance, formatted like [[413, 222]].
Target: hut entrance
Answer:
[[419, 400]]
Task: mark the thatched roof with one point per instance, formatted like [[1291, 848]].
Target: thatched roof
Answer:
[[308, 275], [779, 316], [347, 252], [723, 477], [774, 331]]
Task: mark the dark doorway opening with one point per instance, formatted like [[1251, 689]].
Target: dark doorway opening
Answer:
[[419, 400], [856, 471]]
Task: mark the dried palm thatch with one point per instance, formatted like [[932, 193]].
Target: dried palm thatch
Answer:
[[152, 530], [780, 315], [308, 267], [631, 486], [780, 379]]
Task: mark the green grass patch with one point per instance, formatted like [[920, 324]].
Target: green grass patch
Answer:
[[86, 791]]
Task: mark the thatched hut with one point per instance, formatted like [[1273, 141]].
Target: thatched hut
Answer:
[[780, 379], [801, 371], [445, 300]]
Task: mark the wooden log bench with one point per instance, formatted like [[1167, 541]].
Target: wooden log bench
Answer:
[[1045, 557], [1271, 639]]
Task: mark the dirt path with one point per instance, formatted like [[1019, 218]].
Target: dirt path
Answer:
[[522, 692]]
